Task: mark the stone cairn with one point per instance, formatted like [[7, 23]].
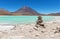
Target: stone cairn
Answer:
[[39, 23]]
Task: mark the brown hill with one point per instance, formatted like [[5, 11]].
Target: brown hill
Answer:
[[4, 12]]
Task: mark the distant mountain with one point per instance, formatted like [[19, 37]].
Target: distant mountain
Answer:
[[4, 12], [22, 11], [27, 11], [54, 14]]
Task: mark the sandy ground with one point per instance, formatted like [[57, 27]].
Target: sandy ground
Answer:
[[27, 31]]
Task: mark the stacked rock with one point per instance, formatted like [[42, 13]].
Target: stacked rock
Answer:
[[39, 23]]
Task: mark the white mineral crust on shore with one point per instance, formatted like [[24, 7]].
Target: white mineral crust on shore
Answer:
[[26, 31]]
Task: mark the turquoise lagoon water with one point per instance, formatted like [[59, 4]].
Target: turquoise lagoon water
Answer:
[[22, 19]]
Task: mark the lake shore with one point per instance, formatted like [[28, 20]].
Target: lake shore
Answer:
[[27, 31]]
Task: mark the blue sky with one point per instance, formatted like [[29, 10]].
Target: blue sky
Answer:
[[41, 6]]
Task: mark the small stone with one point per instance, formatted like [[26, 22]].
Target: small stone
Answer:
[[36, 35], [35, 29], [42, 31], [30, 31], [57, 30]]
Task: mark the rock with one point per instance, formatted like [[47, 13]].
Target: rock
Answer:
[[42, 25], [42, 31], [57, 30], [35, 29], [39, 22], [36, 35]]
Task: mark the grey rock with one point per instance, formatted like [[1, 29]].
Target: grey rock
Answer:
[[39, 22]]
